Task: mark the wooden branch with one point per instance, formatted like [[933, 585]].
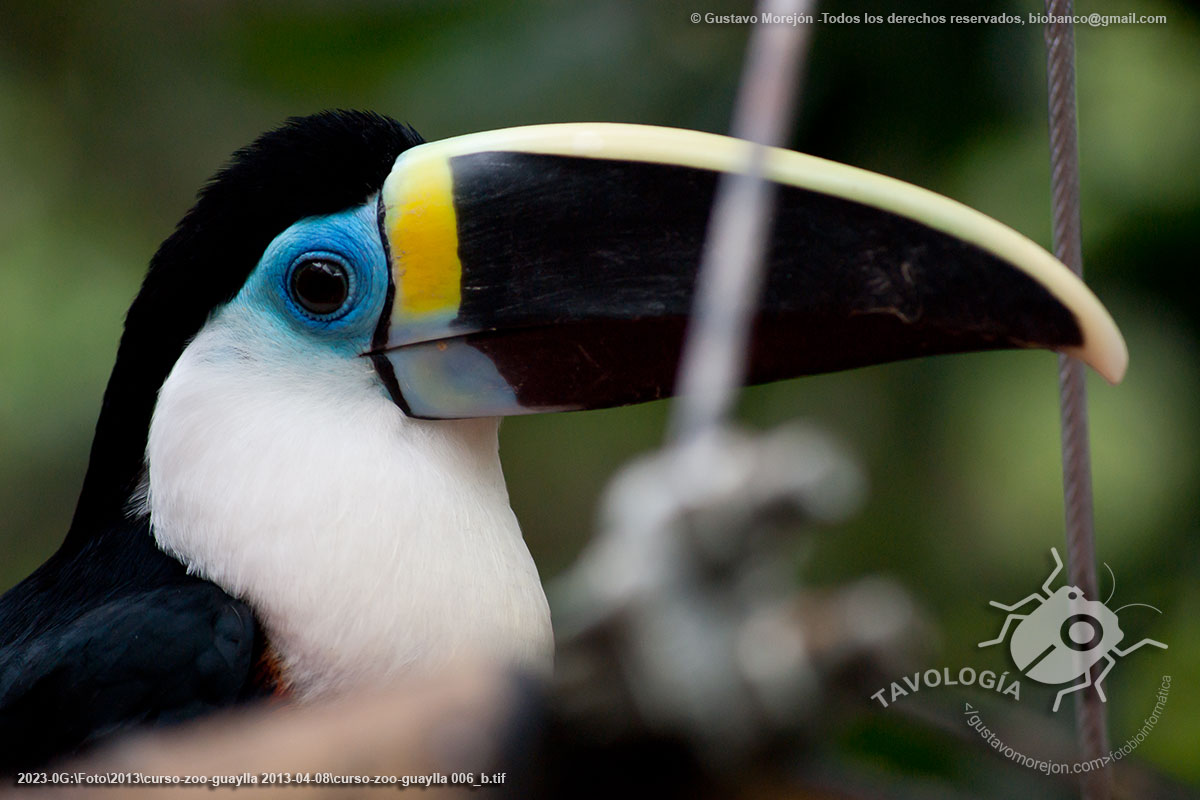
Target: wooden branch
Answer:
[[442, 725]]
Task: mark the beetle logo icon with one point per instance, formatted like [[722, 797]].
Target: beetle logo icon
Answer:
[[1060, 640]]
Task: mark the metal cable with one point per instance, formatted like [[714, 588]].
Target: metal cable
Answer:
[[1090, 716]]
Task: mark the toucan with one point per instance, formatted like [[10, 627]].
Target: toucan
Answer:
[[294, 486]]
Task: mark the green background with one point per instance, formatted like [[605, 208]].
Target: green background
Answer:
[[113, 114]]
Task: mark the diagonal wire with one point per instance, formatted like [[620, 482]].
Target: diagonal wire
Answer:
[[729, 284], [1090, 719]]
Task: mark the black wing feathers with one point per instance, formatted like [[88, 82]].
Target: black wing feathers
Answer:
[[155, 657], [112, 636]]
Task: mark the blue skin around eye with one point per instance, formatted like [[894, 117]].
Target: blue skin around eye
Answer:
[[350, 237], [446, 379]]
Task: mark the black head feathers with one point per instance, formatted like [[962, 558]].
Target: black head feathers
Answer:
[[313, 165]]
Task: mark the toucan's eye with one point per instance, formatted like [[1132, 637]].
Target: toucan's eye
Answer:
[[320, 285]]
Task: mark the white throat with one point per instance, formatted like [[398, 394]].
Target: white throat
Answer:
[[368, 543]]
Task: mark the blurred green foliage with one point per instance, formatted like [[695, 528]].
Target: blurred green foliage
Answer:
[[113, 114]]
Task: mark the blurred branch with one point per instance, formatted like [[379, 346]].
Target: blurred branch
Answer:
[[453, 722], [476, 718], [729, 283], [683, 617], [679, 619]]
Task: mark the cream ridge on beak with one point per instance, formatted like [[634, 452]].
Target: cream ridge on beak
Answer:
[[551, 268]]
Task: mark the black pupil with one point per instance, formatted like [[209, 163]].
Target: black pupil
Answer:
[[320, 286]]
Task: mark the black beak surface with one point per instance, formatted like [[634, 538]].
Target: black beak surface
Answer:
[[552, 267]]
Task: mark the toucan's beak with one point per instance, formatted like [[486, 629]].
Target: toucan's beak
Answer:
[[551, 268]]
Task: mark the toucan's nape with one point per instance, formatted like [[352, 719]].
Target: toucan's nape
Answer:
[[310, 166], [294, 483]]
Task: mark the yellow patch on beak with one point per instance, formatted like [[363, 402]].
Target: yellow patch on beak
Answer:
[[422, 231]]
